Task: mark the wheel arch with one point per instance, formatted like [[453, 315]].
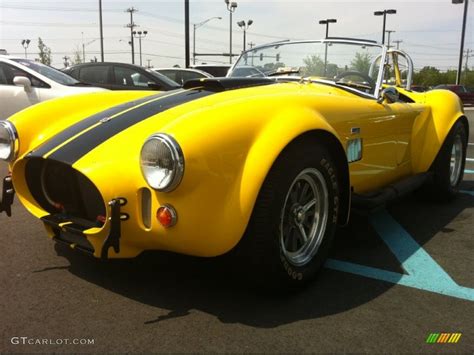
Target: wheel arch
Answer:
[[323, 135]]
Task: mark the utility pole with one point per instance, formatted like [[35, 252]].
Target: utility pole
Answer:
[[101, 32], [132, 25], [466, 67], [398, 41], [389, 32], [148, 65], [251, 45]]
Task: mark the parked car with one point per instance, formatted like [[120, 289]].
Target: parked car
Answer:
[[269, 166], [121, 76], [466, 95], [181, 75], [216, 70], [25, 82]]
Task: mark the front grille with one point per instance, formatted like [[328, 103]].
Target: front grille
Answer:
[[60, 189]]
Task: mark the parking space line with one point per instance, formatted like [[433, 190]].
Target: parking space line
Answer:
[[424, 273]]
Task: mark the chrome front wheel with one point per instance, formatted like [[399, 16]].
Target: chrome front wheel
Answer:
[[304, 217]]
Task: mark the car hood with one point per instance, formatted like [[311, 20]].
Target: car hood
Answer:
[[127, 125]]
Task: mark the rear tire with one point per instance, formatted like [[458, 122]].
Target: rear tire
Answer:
[[448, 167], [294, 218]]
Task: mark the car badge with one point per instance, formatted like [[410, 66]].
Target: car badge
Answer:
[[105, 120]]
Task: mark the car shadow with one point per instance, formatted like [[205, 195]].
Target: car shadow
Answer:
[[177, 284]]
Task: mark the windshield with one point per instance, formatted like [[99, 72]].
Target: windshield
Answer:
[[344, 63], [48, 72]]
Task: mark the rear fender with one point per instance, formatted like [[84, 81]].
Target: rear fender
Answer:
[[431, 129]]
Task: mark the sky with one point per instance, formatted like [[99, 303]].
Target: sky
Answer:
[[430, 30]]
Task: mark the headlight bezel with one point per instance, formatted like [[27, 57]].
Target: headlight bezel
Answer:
[[177, 159], [14, 141]]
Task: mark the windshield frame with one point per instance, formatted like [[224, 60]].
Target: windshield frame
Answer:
[[383, 48]]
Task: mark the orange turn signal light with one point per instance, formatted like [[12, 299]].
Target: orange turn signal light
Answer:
[[167, 216]]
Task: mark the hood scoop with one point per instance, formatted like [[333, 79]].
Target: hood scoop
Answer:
[[224, 84]]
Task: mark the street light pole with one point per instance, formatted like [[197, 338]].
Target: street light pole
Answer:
[[463, 33], [140, 35], [384, 14], [326, 22], [101, 33], [245, 26], [196, 26], [231, 6], [25, 43]]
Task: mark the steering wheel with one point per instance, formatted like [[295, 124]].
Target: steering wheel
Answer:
[[357, 73]]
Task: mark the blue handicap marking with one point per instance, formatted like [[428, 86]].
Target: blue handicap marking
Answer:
[[423, 272]]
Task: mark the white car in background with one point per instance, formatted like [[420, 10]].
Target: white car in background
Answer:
[[24, 82]]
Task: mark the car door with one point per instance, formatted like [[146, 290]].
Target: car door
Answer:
[[14, 98]]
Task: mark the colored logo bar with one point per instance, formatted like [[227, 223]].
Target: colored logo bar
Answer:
[[443, 338]]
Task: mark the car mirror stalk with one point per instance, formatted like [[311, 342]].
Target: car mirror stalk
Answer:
[[22, 81]]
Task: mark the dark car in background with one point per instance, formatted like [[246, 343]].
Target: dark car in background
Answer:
[[121, 76], [217, 70], [465, 94], [181, 75]]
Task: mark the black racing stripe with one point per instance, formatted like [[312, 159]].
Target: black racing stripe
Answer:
[[85, 124], [77, 148]]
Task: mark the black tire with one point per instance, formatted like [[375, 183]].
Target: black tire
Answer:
[[442, 187], [263, 246]]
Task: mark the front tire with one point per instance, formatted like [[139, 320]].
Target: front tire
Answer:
[[295, 216]]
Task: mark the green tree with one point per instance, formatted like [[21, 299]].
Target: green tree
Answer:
[[361, 62], [313, 66], [44, 52]]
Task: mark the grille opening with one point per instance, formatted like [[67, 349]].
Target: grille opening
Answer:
[[60, 189]]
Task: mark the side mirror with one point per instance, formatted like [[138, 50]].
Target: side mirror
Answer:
[[389, 94], [22, 81], [154, 86]]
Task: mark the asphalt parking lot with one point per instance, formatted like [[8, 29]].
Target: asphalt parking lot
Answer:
[[393, 279]]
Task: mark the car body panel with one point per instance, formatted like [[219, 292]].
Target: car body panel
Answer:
[[224, 180], [231, 132]]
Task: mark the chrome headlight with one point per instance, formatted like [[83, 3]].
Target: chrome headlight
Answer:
[[162, 162], [8, 141]]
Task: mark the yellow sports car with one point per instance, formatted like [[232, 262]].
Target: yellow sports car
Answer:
[[268, 160]]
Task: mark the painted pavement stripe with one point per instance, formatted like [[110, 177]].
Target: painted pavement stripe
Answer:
[[423, 272]]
